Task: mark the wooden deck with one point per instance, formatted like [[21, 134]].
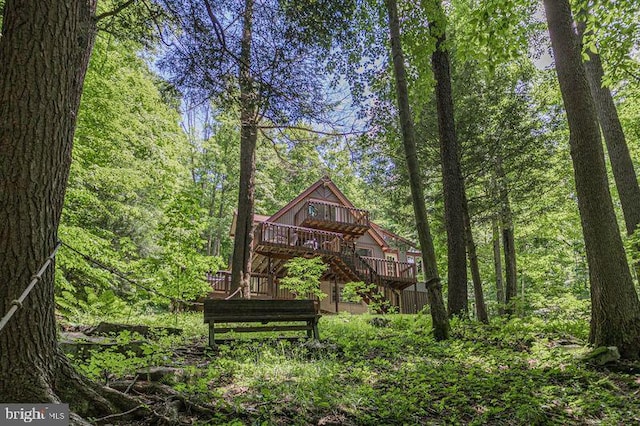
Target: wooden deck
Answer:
[[332, 217], [292, 241]]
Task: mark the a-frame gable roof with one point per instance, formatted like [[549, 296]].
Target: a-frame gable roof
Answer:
[[323, 181], [327, 183], [376, 231]]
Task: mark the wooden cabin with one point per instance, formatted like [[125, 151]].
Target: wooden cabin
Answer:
[[322, 222]]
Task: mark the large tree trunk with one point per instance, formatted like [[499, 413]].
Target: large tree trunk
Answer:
[[497, 263], [44, 52], [241, 262], [453, 184], [508, 239], [615, 313], [621, 163], [432, 278], [481, 307]]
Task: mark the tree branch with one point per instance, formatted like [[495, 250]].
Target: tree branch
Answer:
[[217, 27], [114, 11], [318, 132]]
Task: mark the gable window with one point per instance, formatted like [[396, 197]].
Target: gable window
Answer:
[[365, 252]]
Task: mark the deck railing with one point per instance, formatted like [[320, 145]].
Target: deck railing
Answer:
[[260, 285], [326, 212], [220, 281], [296, 237], [392, 269]]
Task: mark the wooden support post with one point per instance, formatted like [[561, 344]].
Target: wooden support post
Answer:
[[270, 289], [335, 281]]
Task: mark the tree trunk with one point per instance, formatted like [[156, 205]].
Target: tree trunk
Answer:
[[508, 239], [481, 308], [497, 264], [44, 53], [432, 278], [210, 215], [219, 228], [241, 262], [621, 163], [453, 184], [615, 313]]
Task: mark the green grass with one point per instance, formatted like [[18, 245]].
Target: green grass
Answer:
[[509, 372]]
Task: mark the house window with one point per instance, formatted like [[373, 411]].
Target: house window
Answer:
[[364, 252]]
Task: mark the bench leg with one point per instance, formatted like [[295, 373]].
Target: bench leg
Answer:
[[212, 341], [309, 329], [316, 333]]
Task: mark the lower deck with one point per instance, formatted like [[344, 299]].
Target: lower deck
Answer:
[[408, 301]]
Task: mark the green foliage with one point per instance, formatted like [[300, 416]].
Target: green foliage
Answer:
[[613, 32], [303, 277], [518, 371], [130, 203], [494, 32], [129, 353]]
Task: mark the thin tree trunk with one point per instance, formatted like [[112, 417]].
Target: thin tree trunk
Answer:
[[615, 313], [219, 229], [621, 163], [44, 53], [497, 264], [432, 278], [453, 184], [241, 262], [508, 239], [210, 213], [481, 308]]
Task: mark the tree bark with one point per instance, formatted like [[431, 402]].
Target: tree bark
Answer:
[[44, 53], [615, 313], [497, 264], [621, 164], [481, 307], [432, 278], [241, 262], [453, 184]]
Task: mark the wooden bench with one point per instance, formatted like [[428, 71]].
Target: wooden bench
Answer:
[[261, 311]]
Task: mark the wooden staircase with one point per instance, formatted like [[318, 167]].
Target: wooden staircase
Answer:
[[352, 267]]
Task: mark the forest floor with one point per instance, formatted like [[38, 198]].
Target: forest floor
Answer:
[[522, 371]]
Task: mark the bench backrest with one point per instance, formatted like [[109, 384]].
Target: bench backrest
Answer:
[[258, 310]]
